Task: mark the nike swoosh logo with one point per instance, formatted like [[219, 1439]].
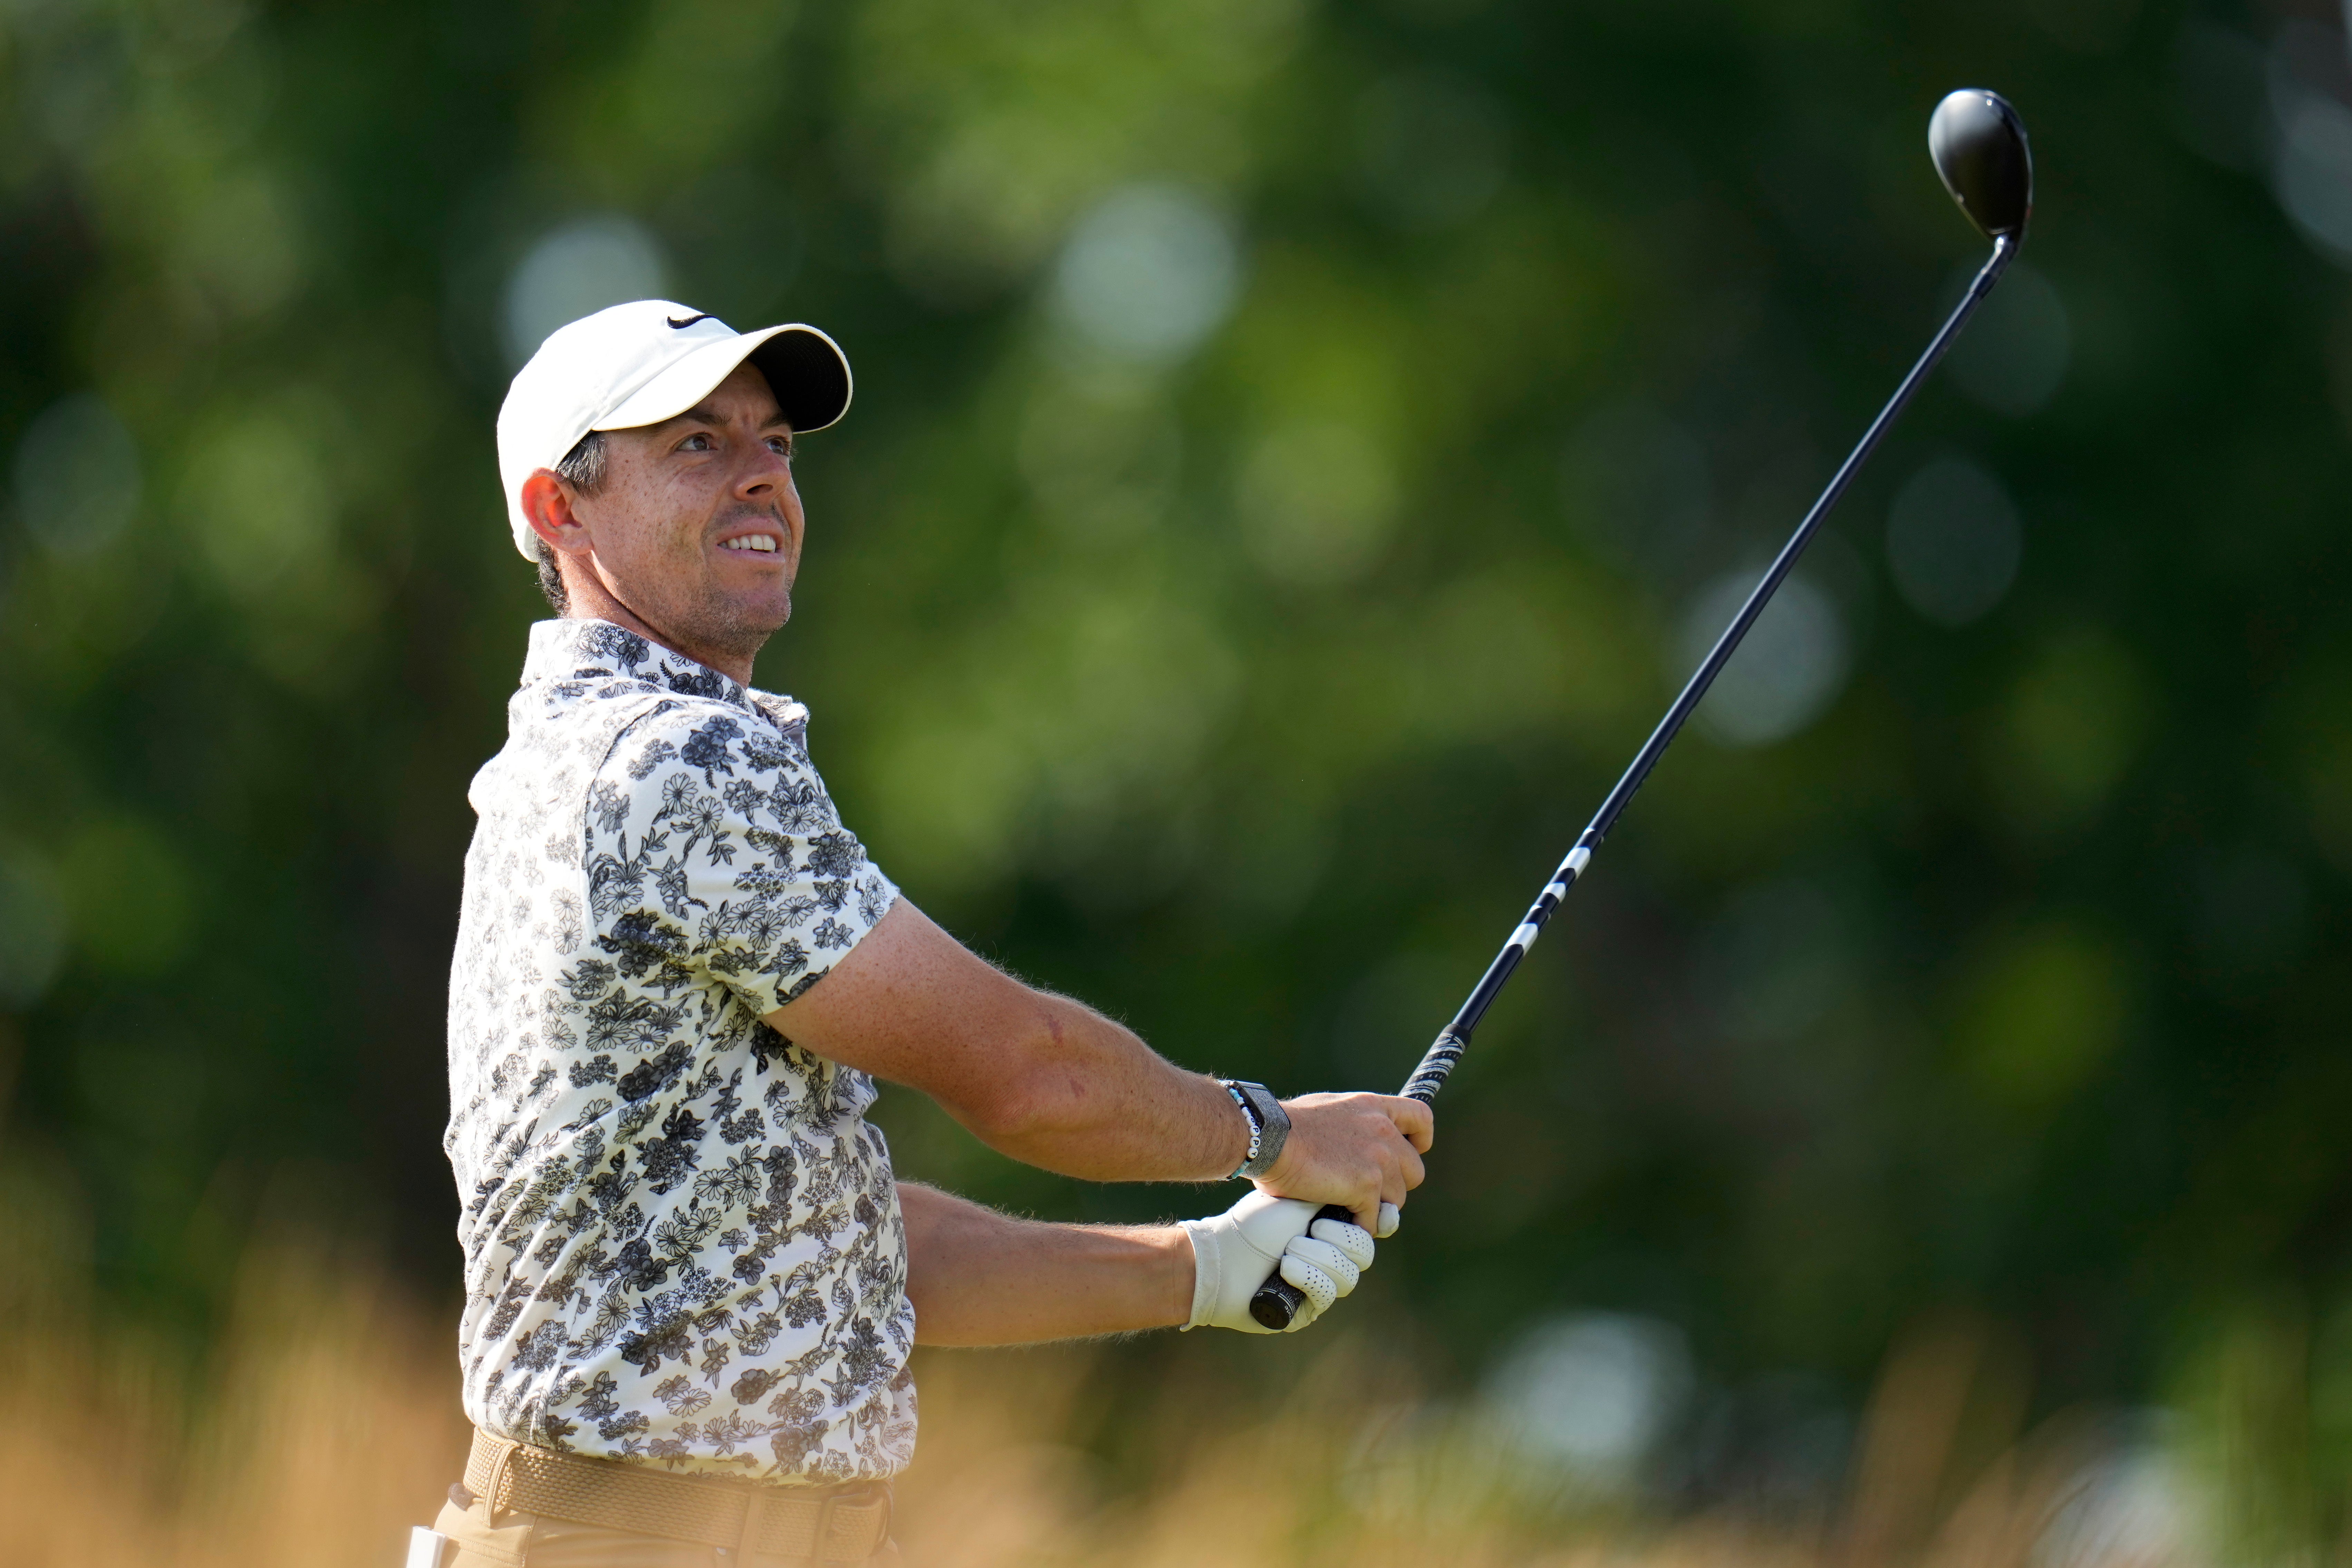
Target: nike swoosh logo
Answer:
[[673, 322]]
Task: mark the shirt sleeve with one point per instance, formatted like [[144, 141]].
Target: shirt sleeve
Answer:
[[712, 851]]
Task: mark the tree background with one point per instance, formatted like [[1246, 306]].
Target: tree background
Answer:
[[1298, 450]]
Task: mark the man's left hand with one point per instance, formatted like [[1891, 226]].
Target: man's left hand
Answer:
[[1234, 1253]]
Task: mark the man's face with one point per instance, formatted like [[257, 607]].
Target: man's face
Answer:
[[696, 528]]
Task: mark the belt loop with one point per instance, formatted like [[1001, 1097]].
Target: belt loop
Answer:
[[820, 1550], [755, 1512], [499, 1466]]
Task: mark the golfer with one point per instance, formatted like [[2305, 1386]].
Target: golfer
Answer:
[[692, 1279]]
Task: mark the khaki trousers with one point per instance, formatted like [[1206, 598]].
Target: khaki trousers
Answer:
[[535, 1541]]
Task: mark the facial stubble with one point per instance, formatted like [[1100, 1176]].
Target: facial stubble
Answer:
[[723, 621]]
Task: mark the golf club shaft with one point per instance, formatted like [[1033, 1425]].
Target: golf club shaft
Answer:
[[1277, 1301]]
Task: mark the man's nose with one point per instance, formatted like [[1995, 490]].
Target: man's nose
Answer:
[[764, 471]]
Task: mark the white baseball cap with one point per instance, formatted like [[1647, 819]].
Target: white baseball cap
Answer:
[[643, 362]]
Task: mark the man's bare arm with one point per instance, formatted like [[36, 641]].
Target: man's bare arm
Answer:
[[980, 1278], [1038, 1076], [1054, 1084]]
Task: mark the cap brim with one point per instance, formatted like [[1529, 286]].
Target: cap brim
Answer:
[[805, 370]]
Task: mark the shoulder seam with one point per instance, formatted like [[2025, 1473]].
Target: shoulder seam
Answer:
[[666, 703]]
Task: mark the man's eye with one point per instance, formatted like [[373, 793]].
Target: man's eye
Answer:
[[695, 444], [781, 445]]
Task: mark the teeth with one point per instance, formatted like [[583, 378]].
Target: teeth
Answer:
[[763, 542]]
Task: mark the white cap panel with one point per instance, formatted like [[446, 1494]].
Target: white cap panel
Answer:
[[683, 383]]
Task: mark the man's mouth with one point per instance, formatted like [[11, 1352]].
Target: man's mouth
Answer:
[[753, 543]]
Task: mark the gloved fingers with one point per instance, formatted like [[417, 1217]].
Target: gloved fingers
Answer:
[[1353, 1239], [1321, 1291], [1266, 1224], [1390, 1217], [1333, 1262]]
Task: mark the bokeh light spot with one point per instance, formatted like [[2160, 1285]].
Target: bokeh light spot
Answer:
[[1785, 675], [32, 929], [1591, 1392], [2013, 356], [258, 496], [1953, 539], [2046, 1006], [2314, 174], [129, 893], [76, 475], [1318, 503], [580, 268], [1101, 455], [2072, 726], [1430, 149], [1776, 962], [1148, 272], [1639, 483]]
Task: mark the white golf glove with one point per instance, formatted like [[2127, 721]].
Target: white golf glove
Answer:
[[1234, 1253]]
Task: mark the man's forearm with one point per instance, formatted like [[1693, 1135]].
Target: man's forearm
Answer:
[[1100, 1104], [1041, 1077], [979, 1277], [1056, 1085]]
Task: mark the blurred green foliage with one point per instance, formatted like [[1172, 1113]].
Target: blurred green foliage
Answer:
[[1297, 445]]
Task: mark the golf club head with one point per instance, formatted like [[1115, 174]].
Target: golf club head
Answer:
[[1981, 153]]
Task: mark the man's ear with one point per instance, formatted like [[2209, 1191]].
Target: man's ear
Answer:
[[547, 507]]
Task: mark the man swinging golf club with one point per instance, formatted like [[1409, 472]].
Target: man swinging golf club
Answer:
[[692, 1280]]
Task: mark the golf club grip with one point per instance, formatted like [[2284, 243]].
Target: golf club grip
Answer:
[[1277, 1301]]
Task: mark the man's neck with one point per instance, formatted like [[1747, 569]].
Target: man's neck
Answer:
[[593, 601]]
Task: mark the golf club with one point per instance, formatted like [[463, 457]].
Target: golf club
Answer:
[[1979, 149]]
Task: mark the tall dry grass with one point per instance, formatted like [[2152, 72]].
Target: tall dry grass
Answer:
[[327, 1424]]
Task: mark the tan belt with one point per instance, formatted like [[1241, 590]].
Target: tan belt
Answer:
[[815, 1524]]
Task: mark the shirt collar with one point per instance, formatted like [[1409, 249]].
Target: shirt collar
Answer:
[[599, 651]]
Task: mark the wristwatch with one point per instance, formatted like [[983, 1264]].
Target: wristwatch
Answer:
[[1269, 1126]]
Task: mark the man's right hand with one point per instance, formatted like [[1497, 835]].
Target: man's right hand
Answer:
[[1361, 1152]]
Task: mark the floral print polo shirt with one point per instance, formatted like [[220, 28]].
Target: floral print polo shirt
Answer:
[[682, 1240]]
